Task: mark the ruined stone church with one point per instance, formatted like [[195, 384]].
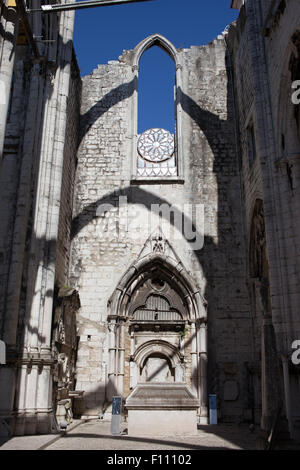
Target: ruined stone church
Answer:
[[155, 264]]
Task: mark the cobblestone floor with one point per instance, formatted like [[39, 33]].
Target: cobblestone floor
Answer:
[[95, 435]]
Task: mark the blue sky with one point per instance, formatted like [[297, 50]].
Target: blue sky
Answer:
[[101, 34]]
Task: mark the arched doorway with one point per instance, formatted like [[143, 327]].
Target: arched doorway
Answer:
[[157, 325]]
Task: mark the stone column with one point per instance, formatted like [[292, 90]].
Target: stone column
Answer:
[[9, 23], [121, 357], [133, 367], [202, 367], [111, 358], [195, 371], [9, 371], [269, 375], [36, 389], [287, 393], [132, 343]]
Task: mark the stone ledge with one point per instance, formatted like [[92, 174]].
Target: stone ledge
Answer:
[[157, 180], [161, 396]]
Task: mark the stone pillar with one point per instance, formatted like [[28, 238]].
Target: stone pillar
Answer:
[[195, 370], [202, 366], [35, 390], [111, 358], [22, 213], [7, 386], [9, 22], [287, 393], [134, 373], [271, 396], [121, 357], [11, 317]]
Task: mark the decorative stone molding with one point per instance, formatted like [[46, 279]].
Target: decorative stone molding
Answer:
[[155, 40], [169, 48]]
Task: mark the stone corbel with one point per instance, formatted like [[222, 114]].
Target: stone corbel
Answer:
[[40, 366], [29, 366]]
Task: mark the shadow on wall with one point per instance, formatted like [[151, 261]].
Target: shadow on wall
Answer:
[[220, 137], [25, 254]]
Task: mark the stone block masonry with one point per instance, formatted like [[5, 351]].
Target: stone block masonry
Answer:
[[99, 257]]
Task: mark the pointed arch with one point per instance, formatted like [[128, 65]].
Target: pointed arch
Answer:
[[170, 49], [118, 303], [166, 349], [155, 40]]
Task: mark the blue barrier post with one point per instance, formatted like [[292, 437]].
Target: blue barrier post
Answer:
[[213, 412], [116, 415]]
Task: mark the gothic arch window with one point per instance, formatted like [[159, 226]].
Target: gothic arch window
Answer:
[[157, 152], [156, 91]]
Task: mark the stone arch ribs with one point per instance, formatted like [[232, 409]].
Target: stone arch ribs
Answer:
[[146, 349], [170, 49], [155, 40], [158, 252], [174, 269]]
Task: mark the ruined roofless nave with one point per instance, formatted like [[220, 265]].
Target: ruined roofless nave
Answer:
[[151, 264]]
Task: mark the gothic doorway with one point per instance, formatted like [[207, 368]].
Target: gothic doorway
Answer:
[[157, 329]]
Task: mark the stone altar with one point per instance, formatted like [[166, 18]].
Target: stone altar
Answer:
[[158, 409]]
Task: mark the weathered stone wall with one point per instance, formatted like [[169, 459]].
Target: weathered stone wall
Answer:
[[215, 182], [10, 170], [251, 181], [31, 173], [261, 44], [68, 177], [211, 177], [285, 171]]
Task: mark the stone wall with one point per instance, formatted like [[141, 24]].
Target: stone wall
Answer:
[[68, 178], [32, 174], [261, 44], [211, 178]]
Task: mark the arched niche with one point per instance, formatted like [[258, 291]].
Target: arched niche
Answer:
[[169, 48], [157, 347], [157, 368], [158, 361], [288, 116]]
